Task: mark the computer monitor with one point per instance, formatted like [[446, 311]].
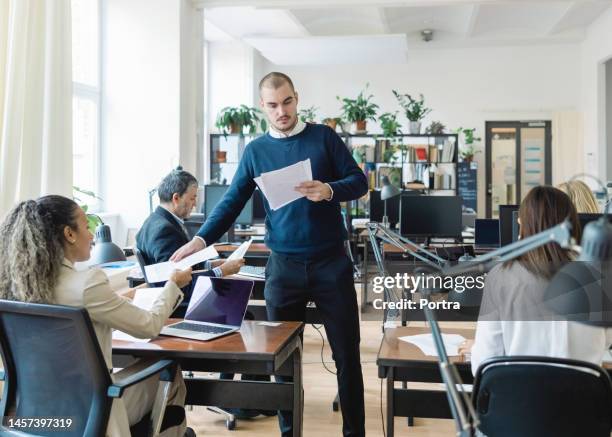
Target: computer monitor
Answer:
[[515, 226], [486, 233], [505, 223], [431, 216], [585, 219], [213, 195], [377, 208], [259, 211]]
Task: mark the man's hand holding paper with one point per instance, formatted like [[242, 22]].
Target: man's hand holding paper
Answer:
[[279, 186]]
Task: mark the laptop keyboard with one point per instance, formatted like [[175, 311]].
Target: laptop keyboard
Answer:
[[207, 329], [258, 272]]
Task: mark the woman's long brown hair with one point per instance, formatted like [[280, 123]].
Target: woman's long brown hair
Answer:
[[543, 208]]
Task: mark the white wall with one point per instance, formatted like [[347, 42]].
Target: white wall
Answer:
[[596, 50], [140, 104], [465, 87]]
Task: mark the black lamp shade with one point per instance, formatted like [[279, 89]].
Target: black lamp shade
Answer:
[[105, 250]]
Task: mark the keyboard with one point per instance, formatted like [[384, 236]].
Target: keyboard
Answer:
[[256, 272], [208, 329]]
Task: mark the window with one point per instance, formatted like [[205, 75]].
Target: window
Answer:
[[86, 96]]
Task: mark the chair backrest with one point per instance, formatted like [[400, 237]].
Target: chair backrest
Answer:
[[539, 396], [142, 264], [53, 367]]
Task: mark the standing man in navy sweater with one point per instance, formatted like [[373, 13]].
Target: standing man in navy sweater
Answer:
[[307, 260]]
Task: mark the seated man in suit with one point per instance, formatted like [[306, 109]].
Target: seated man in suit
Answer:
[[163, 232]]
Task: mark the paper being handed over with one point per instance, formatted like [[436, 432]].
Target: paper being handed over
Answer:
[[161, 272], [279, 185], [241, 251]]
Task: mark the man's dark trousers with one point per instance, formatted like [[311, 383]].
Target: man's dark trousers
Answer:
[[326, 280]]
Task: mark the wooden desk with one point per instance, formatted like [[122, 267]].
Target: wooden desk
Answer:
[[256, 349], [401, 361], [255, 248]]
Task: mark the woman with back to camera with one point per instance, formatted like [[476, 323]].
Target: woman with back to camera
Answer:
[[581, 196], [513, 319], [40, 241]]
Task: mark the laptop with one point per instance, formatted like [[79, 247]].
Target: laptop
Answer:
[[486, 235], [217, 307]]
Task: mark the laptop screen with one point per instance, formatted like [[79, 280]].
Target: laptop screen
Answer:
[[217, 300]]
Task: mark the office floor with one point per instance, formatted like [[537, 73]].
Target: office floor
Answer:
[[319, 391]]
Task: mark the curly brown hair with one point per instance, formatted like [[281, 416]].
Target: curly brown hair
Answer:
[[32, 248]]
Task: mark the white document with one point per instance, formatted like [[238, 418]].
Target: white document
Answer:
[[161, 272], [143, 298], [426, 343], [241, 251], [279, 185]]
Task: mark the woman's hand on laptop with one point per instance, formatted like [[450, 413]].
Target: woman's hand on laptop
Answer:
[[232, 267], [181, 277]]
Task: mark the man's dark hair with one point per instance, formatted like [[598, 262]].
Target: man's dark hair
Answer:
[[275, 80], [177, 181]]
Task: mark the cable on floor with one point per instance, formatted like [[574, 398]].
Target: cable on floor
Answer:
[[322, 346]]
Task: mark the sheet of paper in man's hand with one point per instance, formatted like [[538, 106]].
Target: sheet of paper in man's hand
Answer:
[[241, 251], [161, 272], [279, 185]]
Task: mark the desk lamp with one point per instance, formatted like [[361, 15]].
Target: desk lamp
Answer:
[[387, 192], [104, 249]]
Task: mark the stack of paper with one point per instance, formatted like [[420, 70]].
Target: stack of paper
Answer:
[[425, 342], [143, 298], [161, 272], [279, 185]]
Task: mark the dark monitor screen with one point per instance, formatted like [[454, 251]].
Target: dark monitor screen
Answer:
[[217, 300], [431, 216], [259, 211], [486, 232], [515, 226], [585, 219], [213, 195], [377, 208], [505, 223]]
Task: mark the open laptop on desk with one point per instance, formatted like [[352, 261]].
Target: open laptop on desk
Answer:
[[217, 307]]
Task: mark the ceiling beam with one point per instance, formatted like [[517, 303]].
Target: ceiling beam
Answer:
[[556, 26], [301, 4], [473, 21], [303, 29]]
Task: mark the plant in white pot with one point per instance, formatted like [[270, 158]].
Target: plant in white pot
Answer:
[[415, 110]]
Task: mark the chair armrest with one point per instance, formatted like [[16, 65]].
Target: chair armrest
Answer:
[[167, 368]]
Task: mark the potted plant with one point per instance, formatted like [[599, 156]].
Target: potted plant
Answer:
[[359, 110], [308, 115], [93, 220], [332, 122], [468, 150], [235, 119], [415, 110], [389, 124], [435, 128]]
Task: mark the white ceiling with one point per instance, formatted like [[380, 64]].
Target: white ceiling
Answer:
[[354, 31]]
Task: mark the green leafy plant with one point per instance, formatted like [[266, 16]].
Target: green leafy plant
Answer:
[[308, 114], [235, 119], [389, 124], [435, 128], [468, 150], [93, 220], [359, 109], [415, 110]]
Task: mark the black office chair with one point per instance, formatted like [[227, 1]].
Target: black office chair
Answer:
[[53, 367], [142, 264], [539, 396]]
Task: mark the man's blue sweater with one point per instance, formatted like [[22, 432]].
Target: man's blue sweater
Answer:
[[302, 228]]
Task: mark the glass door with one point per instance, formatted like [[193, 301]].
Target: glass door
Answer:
[[518, 158]]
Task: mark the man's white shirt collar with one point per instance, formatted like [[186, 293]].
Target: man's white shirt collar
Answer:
[[298, 128], [178, 219]]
